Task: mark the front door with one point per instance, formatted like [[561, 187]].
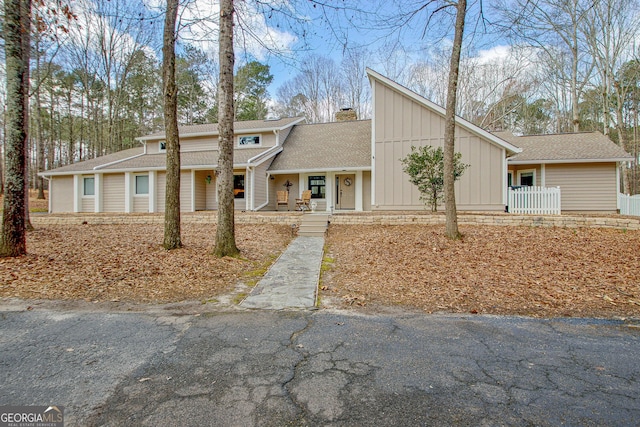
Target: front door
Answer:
[[346, 192]]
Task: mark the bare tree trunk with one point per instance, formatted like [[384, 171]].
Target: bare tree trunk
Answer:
[[451, 226], [172, 238], [26, 51], [13, 238], [225, 231]]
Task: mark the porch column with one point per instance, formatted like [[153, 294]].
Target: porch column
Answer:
[[153, 175], [97, 191], [359, 191], [542, 175], [77, 193], [329, 187], [192, 208], [128, 194]]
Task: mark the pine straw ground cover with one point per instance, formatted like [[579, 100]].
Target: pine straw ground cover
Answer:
[[127, 263], [541, 272]]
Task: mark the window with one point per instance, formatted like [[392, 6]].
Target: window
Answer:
[[316, 185], [509, 178], [89, 187], [142, 184], [162, 146], [527, 177], [238, 186], [247, 141]]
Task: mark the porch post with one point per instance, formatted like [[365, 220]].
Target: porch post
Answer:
[[359, 191], [152, 191], [128, 194], [329, 187], [77, 193], [542, 175], [97, 192]]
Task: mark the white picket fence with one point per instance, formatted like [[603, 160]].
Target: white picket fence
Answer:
[[534, 200], [629, 205]]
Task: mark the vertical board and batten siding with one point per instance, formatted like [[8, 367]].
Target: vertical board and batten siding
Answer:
[[185, 191], [141, 203], [62, 192], [585, 186], [201, 190], [401, 123], [113, 192], [161, 189], [366, 191]]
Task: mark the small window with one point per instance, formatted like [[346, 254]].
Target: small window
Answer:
[[526, 178], [316, 185], [142, 184], [162, 146], [238, 186], [89, 187], [248, 141]]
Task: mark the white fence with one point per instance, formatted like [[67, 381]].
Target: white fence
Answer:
[[629, 205], [534, 200]]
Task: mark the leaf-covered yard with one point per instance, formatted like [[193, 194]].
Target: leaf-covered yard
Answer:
[[532, 271], [127, 263], [543, 272]]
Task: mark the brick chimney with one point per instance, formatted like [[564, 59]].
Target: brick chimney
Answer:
[[346, 114]]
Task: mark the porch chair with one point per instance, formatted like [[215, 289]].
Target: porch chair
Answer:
[[283, 199], [302, 204]]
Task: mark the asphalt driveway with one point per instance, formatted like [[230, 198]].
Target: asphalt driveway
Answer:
[[183, 367]]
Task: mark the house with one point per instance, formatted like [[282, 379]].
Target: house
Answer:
[[585, 165], [348, 164]]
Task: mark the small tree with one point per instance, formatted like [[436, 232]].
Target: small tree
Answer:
[[425, 167]]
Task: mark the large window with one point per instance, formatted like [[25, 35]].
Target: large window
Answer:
[[238, 186], [142, 184], [248, 141], [89, 187], [316, 185]]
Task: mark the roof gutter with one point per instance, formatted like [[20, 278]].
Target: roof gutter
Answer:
[[559, 161]]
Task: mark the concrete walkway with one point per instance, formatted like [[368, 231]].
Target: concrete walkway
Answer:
[[292, 281]]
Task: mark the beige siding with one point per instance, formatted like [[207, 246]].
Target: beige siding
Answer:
[[88, 204], [401, 123], [141, 203], [198, 144], [185, 191], [260, 182], [61, 194], [113, 192], [201, 190], [584, 187], [161, 188]]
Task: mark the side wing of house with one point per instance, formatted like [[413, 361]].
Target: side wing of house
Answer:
[[402, 120]]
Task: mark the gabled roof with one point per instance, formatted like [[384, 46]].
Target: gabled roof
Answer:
[[244, 127], [325, 147], [583, 147], [510, 148]]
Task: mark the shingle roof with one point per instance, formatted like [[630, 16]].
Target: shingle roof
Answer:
[[583, 146], [238, 127], [326, 146], [88, 165]]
